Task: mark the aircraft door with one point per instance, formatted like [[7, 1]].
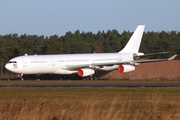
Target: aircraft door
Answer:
[[92, 60], [25, 65], [52, 63]]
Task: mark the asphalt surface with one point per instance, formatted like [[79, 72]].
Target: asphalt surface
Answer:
[[95, 85]]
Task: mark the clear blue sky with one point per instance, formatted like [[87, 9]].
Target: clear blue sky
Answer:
[[49, 17]]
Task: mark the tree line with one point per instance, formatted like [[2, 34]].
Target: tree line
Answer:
[[12, 45]]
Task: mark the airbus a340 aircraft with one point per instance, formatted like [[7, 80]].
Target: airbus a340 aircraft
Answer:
[[84, 64]]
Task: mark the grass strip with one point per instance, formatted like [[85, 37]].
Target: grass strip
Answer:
[[90, 103]]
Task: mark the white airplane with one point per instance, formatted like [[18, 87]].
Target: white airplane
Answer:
[[84, 64]]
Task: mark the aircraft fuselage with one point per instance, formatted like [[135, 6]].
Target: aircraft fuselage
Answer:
[[65, 63]]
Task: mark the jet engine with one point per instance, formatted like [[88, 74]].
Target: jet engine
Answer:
[[126, 68], [85, 72]]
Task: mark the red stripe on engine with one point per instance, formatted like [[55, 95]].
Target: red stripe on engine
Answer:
[[80, 72], [121, 69]]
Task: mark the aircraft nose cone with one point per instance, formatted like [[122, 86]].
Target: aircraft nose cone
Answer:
[[8, 66]]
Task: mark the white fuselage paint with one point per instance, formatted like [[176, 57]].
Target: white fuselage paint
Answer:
[[84, 64], [65, 63]]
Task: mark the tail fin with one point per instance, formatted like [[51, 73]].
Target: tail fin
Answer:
[[134, 42]]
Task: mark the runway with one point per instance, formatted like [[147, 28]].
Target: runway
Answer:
[[95, 85]]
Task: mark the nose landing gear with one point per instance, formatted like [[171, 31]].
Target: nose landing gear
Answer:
[[21, 76]]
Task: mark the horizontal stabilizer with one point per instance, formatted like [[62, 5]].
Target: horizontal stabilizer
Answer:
[[150, 54], [154, 60]]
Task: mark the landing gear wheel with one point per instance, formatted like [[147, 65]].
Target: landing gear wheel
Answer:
[[21, 77]]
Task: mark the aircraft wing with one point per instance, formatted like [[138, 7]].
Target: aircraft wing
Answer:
[[137, 61], [76, 67]]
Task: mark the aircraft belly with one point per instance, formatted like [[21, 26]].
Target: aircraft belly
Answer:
[[60, 71], [108, 68]]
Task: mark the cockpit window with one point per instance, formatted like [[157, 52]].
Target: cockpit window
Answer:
[[12, 62]]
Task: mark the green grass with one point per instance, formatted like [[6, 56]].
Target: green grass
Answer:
[[89, 103]]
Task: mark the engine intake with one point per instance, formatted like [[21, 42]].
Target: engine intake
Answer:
[[126, 68], [85, 72]]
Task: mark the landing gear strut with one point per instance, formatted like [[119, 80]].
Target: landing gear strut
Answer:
[[21, 76]]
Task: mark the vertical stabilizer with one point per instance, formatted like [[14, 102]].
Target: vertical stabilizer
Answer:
[[134, 42]]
